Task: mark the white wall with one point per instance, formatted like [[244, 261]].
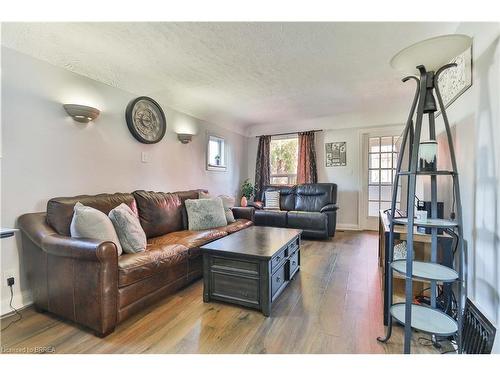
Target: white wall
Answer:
[[475, 119], [46, 154]]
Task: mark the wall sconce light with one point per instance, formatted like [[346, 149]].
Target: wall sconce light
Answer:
[[81, 113], [184, 138]]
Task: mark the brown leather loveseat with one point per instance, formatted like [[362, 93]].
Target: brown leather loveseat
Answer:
[[85, 281]]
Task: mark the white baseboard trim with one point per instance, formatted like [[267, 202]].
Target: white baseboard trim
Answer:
[[348, 227]]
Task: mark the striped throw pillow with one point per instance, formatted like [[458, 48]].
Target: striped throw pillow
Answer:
[[272, 200]]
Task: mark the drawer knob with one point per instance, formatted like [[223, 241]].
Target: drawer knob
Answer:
[[278, 259], [278, 279], [293, 263]]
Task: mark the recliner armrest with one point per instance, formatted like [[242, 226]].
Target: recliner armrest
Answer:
[[329, 207], [244, 213]]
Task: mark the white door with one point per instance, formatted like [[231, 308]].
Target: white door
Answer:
[[380, 158]]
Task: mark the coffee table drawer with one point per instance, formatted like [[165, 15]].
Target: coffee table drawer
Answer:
[[294, 245], [278, 279], [278, 259], [234, 287], [293, 264]]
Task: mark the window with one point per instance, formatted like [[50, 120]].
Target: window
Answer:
[[382, 162], [216, 153], [284, 156]]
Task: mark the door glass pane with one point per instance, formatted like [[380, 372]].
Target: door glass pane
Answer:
[[382, 162], [374, 144], [374, 176], [373, 192], [373, 208], [374, 160], [386, 160], [385, 193], [386, 144], [385, 205], [386, 176]]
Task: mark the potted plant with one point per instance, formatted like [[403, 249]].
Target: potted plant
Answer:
[[246, 192], [217, 159]]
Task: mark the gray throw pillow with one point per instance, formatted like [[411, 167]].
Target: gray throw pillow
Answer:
[[128, 228], [205, 213], [228, 203], [88, 222]]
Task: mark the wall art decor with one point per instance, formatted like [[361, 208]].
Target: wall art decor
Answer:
[[454, 82], [335, 154]]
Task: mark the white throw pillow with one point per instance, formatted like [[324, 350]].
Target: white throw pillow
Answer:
[[88, 222], [228, 203], [272, 200], [128, 228]]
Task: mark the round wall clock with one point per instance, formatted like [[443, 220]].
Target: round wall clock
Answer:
[[146, 120]]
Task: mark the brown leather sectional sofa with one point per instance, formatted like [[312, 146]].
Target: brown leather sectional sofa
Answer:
[[85, 281]]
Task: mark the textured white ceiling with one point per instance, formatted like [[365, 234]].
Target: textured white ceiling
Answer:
[[239, 74]]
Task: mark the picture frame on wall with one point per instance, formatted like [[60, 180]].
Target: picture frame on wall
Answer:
[[454, 82], [336, 154]]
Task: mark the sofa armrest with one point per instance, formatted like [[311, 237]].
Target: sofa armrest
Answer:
[[244, 213], [76, 278], [329, 207], [44, 236]]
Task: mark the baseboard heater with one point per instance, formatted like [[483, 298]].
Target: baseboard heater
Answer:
[[478, 333]]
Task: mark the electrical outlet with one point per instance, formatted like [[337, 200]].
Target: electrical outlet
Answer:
[[145, 157], [9, 276]]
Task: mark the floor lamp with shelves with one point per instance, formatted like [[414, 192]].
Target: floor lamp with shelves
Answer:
[[426, 61]]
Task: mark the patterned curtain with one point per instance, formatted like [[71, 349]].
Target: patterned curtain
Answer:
[[262, 165], [306, 167]]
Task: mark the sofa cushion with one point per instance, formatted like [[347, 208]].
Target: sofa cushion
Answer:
[[188, 194], [128, 228], [227, 201], [270, 218], [205, 213], [159, 213], [60, 210], [157, 258], [236, 226], [188, 238], [313, 197], [88, 222], [307, 220]]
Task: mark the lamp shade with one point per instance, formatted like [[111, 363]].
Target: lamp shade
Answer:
[[432, 53]]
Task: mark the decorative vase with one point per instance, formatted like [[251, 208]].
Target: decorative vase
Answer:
[[244, 201]]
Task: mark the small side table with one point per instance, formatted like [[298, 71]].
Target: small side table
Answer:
[[7, 232]]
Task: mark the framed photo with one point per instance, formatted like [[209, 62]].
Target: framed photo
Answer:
[[453, 82], [335, 154]]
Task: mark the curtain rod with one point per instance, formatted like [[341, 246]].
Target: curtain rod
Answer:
[[275, 135]]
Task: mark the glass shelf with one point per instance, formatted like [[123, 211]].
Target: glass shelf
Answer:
[[429, 223], [426, 319], [427, 271]]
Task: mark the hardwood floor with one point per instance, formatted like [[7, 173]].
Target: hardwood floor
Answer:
[[335, 309]]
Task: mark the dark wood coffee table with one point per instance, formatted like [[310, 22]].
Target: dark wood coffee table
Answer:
[[251, 267]]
